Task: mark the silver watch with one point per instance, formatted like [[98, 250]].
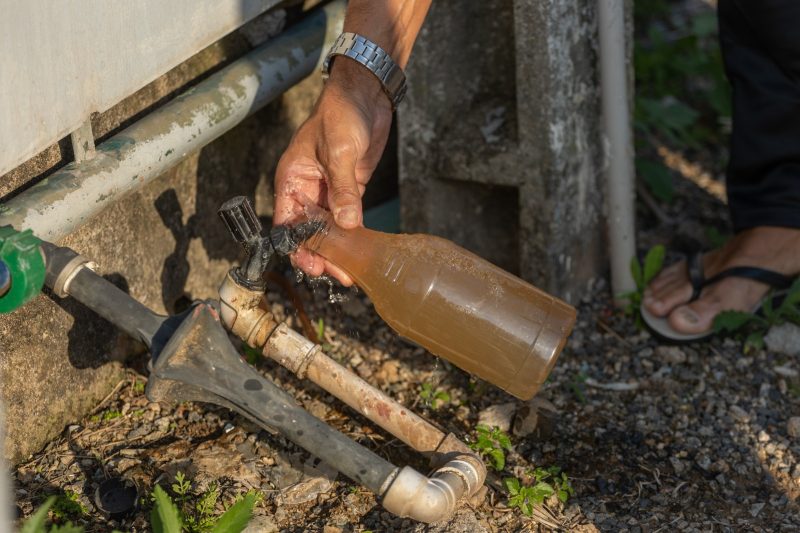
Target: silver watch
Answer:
[[374, 58]]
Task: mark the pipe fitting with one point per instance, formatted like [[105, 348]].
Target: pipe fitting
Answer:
[[243, 312], [428, 500]]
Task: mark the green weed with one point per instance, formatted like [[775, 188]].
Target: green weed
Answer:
[[138, 387], [492, 443], [544, 483], [326, 347], [752, 327], [643, 274], [432, 397]]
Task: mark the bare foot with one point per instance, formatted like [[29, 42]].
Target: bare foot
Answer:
[[768, 247]]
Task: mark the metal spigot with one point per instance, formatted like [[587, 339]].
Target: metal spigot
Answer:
[[243, 224]]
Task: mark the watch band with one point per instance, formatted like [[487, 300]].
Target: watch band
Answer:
[[374, 58]]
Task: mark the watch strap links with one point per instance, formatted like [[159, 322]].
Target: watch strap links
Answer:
[[374, 58]]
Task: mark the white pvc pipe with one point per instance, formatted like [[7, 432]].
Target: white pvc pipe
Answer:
[[620, 189]]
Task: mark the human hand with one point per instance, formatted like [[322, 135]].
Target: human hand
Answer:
[[332, 156]]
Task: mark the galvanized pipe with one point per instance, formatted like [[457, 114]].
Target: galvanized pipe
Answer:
[[60, 204]]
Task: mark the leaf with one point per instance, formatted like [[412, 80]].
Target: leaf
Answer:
[[754, 341], [236, 518], [503, 440], [636, 273], [563, 495], [35, 524], [731, 321], [653, 262], [498, 458], [541, 491], [657, 177], [164, 518], [321, 329], [512, 485]]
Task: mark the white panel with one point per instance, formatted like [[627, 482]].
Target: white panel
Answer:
[[61, 60]]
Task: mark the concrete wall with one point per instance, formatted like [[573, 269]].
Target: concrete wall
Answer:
[[500, 142], [163, 244]]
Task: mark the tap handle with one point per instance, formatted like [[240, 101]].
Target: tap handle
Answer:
[[241, 220]]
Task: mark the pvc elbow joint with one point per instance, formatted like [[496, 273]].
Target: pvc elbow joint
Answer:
[[412, 495]]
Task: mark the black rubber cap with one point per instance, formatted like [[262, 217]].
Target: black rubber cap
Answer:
[[116, 497]]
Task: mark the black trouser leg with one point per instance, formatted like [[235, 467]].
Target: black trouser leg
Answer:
[[760, 42]]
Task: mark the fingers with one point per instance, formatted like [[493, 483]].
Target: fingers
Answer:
[[344, 196]]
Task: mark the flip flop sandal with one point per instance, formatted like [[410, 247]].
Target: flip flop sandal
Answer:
[[694, 263]]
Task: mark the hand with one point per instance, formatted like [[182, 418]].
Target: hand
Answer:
[[332, 156]]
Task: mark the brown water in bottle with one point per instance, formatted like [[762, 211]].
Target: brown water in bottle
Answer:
[[455, 304]]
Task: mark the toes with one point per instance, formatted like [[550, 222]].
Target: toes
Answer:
[[696, 317], [668, 276], [660, 302]]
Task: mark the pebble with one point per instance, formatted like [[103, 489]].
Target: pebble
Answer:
[[763, 436], [739, 414], [498, 415], [784, 339], [793, 427], [671, 354]]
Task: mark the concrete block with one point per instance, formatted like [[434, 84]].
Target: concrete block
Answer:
[[500, 145]]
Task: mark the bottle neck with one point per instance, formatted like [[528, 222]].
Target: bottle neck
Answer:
[[352, 250]]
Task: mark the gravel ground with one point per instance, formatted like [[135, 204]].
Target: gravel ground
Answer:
[[699, 437]]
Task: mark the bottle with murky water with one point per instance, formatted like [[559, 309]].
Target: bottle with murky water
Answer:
[[453, 303]]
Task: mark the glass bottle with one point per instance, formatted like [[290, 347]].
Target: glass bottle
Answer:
[[455, 304]]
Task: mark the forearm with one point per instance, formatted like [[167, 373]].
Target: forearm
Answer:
[[391, 24]]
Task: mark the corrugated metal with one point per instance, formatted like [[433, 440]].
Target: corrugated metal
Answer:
[[62, 60]]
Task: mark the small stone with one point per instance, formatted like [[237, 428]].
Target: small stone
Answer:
[[332, 529], [793, 427], [316, 480], [756, 508], [677, 465], [535, 416], [763, 436], [228, 427], [498, 416], [389, 372], [671, 354], [786, 371], [739, 414], [261, 524], [704, 462], [784, 339]]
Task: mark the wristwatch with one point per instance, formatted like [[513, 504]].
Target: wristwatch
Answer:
[[374, 58]]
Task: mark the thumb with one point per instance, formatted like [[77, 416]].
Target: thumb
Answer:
[[344, 198]]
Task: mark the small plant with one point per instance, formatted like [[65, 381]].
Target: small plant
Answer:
[[326, 347], [37, 523], [111, 414], [67, 507], [251, 355], [138, 387], [642, 275], [432, 397], [545, 483], [754, 326], [493, 444], [198, 516]]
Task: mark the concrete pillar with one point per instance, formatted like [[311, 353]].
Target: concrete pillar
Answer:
[[500, 141]]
